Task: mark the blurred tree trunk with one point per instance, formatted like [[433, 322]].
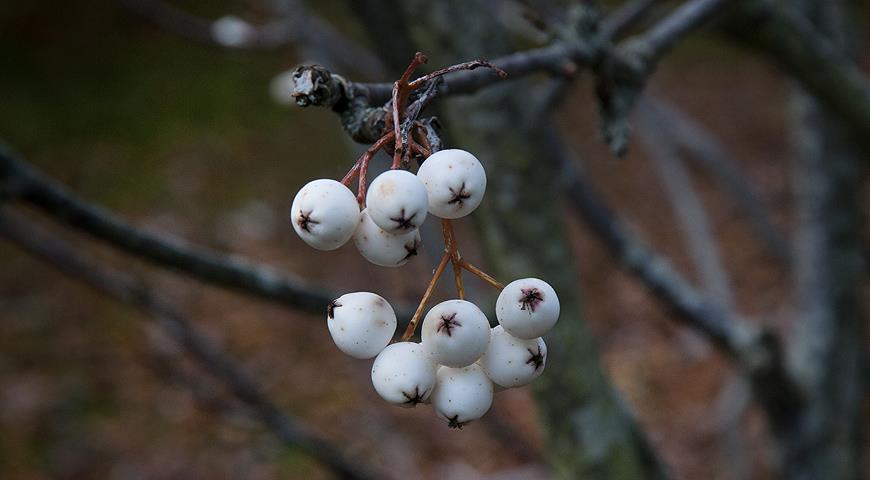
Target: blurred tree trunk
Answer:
[[827, 353], [589, 431]]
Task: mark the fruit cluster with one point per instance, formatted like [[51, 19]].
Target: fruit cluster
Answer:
[[461, 360]]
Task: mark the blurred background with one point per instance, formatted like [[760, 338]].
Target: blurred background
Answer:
[[183, 138]]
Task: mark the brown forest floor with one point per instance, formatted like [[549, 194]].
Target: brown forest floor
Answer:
[[183, 139]]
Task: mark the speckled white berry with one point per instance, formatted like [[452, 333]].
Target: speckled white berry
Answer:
[[513, 362], [361, 323], [397, 201], [455, 333], [324, 214], [455, 182], [384, 248], [403, 374], [527, 308], [461, 394]]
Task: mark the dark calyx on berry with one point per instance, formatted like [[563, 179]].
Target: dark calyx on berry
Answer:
[[330, 309], [530, 299], [305, 221], [453, 422], [448, 323], [536, 359], [416, 397], [460, 196], [404, 223], [411, 249]]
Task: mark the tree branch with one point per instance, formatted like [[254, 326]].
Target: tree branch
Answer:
[[20, 181], [755, 350], [128, 290], [791, 41], [689, 208], [705, 149]]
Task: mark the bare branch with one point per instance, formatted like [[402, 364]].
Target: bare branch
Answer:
[[755, 350], [674, 27], [24, 183], [790, 40], [689, 208], [703, 147], [626, 16], [128, 290]]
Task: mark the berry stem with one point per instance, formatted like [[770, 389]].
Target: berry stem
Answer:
[[455, 256], [361, 167], [480, 273], [412, 325]]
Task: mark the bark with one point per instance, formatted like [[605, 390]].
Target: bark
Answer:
[[827, 349], [589, 431]]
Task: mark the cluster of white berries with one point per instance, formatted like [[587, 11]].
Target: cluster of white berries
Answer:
[[461, 360], [326, 215]]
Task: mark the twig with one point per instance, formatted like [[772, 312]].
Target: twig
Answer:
[[689, 208], [26, 184], [625, 17], [687, 17], [412, 325], [129, 290], [754, 349], [704, 148], [482, 275]]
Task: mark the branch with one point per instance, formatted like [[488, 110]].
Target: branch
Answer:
[[20, 181], [705, 149], [790, 40], [689, 208], [754, 350], [128, 290]]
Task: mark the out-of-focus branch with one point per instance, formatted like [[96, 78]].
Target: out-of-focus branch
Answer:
[[687, 204], [703, 147], [755, 350], [129, 290], [626, 16], [790, 40], [828, 348], [297, 26], [622, 72], [20, 181]]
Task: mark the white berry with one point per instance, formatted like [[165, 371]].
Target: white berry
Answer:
[[324, 214], [361, 323], [461, 394], [527, 308], [397, 201], [513, 362], [455, 333], [403, 374], [455, 182], [384, 248]]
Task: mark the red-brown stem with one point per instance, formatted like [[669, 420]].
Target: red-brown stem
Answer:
[[412, 325], [455, 257], [362, 166], [453, 68], [483, 275], [400, 98]]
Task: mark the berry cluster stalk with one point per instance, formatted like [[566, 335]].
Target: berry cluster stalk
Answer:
[[409, 136]]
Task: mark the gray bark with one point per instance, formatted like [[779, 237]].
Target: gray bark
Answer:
[[827, 349], [589, 431]]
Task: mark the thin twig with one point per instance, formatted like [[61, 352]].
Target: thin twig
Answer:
[[412, 325], [482, 275], [131, 291], [28, 185]]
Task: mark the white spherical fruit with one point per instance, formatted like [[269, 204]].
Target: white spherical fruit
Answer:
[[403, 374], [461, 394], [397, 201], [361, 323], [381, 247], [455, 182], [455, 333], [324, 214], [527, 308], [513, 362]]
